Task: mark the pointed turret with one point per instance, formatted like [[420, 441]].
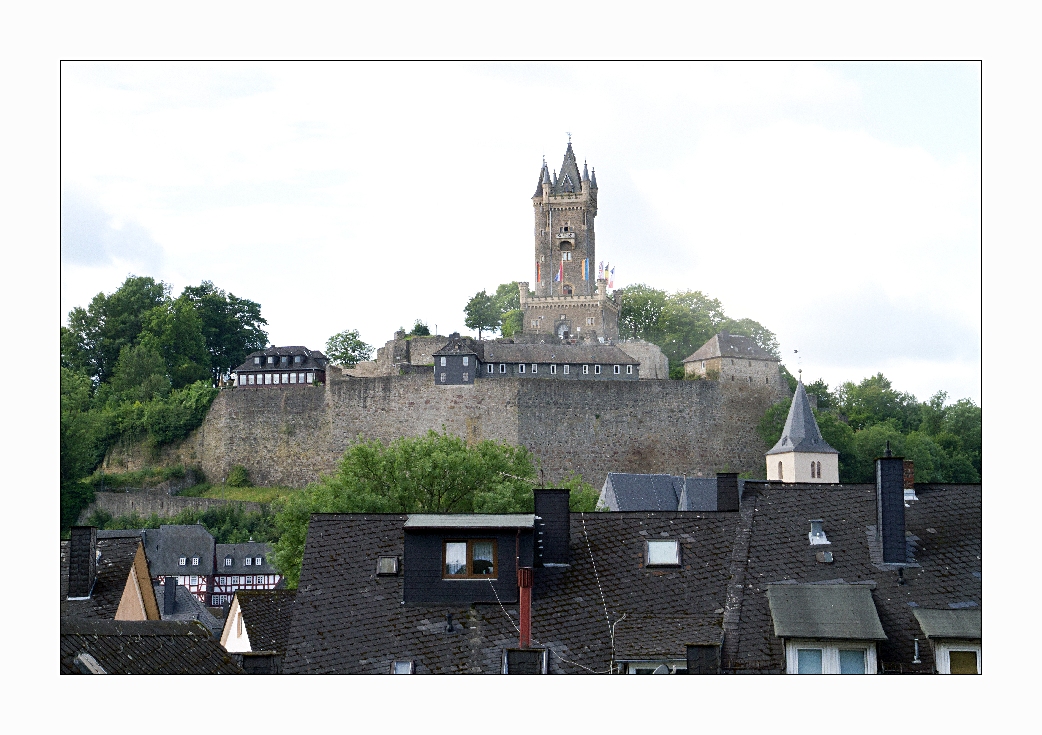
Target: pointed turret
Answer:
[[593, 179], [555, 180], [802, 451], [544, 180], [586, 174], [569, 181]]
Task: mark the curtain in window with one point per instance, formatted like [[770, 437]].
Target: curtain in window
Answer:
[[455, 558]]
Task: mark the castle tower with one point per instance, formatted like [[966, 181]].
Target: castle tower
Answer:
[[801, 455], [568, 296]]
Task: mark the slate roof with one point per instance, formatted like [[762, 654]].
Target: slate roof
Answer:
[[144, 647], [239, 552], [348, 620], [165, 545], [470, 520], [725, 344], [117, 559], [944, 530], [801, 432], [548, 353], [266, 614], [187, 607], [313, 359], [634, 492], [569, 181], [458, 345]]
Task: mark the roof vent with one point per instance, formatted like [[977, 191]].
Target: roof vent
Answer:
[[817, 535]]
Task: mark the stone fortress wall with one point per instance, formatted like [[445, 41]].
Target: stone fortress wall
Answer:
[[291, 434]]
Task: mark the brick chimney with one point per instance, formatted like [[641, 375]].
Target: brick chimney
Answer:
[[169, 595], [83, 561], [890, 507], [524, 584], [727, 491], [553, 534], [909, 480]]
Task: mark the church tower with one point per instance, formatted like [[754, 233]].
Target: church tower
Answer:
[[568, 296]]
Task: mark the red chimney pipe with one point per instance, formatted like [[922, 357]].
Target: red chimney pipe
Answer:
[[524, 584]]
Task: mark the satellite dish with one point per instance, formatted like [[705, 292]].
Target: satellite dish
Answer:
[[662, 669]]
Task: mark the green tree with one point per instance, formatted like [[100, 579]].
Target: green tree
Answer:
[[420, 329], [175, 331], [433, 473], [83, 435], [96, 335], [874, 401], [513, 322], [140, 375], [482, 313], [232, 327], [347, 348], [507, 297]]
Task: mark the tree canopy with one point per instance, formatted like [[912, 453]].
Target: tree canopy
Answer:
[[858, 419], [482, 313], [347, 348], [231, 327], [682, 322], [432, 473]]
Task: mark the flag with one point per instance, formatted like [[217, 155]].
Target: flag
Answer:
[[611, 279], [600, 270], [560, 271], [538, 273]]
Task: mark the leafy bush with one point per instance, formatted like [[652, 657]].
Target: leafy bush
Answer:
[[238, 477]]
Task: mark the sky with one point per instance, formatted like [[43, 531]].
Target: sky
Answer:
[[837, 204]]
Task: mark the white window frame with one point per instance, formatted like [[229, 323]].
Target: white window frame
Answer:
[[443, 362], [182, 561], [249, 561], [566, 369], [502, 367], [491, 368], [296, 359], [942, 660], [227, 561], [256, 361], [466, 360], [466, 377], [193, 581], [403, 667], [675, 562], [535, 367], [553, 369], [629, 370], [586, 369], [271, 360], [267, 378], [285, 378], [596, 369], [829, 654], [251, 381], [443, 377], [616, 369], [520, 368], [242, 380], [195, 561], [257, 561], [293, 378]]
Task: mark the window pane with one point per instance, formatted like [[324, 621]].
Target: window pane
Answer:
[[483, 557], [662, 552], [808, 661], [851, 662], [403, 667], [455, 558], [962, 662]]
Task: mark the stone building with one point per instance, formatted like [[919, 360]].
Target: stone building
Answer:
[[294, 365], [802, 455], [464, 359], [568, 297], [733, 358]]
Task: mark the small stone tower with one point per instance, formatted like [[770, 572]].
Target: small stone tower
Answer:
[[801, 455], [568, 296]]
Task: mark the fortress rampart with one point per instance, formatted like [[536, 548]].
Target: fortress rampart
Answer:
[[289, 435]]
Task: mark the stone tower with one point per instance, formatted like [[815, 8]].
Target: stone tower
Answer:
[[568, 296]]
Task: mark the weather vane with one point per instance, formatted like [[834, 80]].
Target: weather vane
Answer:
[[569, 137]]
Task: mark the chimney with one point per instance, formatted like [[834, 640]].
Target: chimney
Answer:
[[552, 527], [890, 507], [524, 584], [169, 595], [909, 480], [83, 561], [727, 491]]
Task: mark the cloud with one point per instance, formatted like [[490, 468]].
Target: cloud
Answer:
[[90, 236]]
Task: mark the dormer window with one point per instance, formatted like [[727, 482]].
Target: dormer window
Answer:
[[402, 667], [195, 561], [284, 360], [271, 360], [663, 552], [182, 561], [256, 361], [258, 561], [471, 559], [249, 561], [297, 359], [227, 561]]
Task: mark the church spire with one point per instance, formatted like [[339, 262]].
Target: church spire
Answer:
[[544, 180], [801, 432]]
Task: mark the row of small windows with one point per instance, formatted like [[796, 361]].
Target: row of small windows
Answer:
[[259, 579], [273, 378], [522, 367], [476, 558], [278, 360], [765, 380], [248, 561]]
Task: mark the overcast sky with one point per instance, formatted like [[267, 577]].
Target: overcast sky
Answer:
[[837, 204]]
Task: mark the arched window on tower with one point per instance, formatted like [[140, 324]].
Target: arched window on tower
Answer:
[[812, 470], [781, 474], [819, 470]]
